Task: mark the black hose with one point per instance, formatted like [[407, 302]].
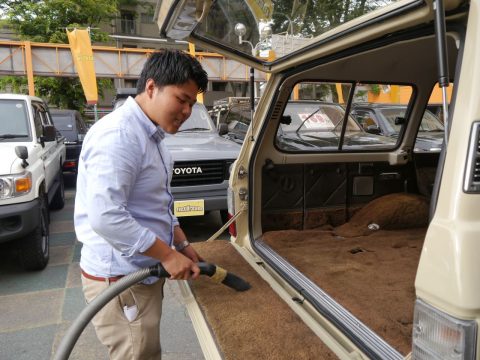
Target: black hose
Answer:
[[75, 330]]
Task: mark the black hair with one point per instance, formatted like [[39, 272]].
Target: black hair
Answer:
[[172, 67]]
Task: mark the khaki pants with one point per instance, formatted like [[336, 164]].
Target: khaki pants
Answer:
[[138, 339]]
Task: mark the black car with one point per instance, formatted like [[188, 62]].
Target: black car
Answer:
[[72, 126], [388, 119]]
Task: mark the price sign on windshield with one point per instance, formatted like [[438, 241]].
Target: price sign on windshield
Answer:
[[316, 121]]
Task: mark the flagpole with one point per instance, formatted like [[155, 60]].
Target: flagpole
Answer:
[[95, 110]]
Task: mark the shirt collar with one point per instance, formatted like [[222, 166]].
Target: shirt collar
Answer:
[[153, 131]]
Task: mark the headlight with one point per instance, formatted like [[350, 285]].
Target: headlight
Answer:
[[15, 185], [437, 335]]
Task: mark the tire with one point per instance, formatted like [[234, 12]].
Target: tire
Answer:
[[34, 249], [58, 201]]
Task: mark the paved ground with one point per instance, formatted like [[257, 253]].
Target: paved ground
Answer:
[[36, 308]]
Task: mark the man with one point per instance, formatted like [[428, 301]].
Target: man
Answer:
[[123, 204]]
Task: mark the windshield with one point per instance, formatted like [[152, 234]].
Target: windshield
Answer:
[[13, 119], [281, 26], [239, 113], [316, 117], [429, 121], [198, 121]]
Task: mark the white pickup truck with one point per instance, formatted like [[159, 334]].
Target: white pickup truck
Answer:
[[31, 176]]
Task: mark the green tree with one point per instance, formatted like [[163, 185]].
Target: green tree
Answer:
[[46, 21], [314, 17]]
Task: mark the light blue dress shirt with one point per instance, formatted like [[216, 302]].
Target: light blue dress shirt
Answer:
[[123, 199]]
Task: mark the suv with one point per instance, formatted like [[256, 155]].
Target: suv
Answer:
[[202, 161], [387, 119], [72, 126], [31, 176], [353, 252]]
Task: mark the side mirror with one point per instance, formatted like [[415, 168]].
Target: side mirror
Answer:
[[49, 133], [286, 120], [399, 120], [22, 153], [222, 128], [373, 129]]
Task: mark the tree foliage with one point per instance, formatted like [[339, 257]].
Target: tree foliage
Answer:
[[47, 21], [314, 17]]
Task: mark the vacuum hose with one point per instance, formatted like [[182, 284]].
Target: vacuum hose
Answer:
[[216, 273]]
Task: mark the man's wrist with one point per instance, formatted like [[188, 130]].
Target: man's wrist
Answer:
[[181, 245]]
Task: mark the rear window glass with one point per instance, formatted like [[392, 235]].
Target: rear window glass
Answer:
[[13, 118], [314, 118], [63, 122], [281, 25]]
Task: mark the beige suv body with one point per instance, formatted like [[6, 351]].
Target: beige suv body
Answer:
[[372, 246]]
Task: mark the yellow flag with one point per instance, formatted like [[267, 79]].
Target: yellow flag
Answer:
[[82, 54]]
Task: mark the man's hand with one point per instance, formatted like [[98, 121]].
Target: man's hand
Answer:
[[180, 267], [177, 265]]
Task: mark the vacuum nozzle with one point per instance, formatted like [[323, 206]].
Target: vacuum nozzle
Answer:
[[216, 273]]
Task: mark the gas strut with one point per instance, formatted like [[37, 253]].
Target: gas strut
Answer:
[[216, 273], [442, 58]]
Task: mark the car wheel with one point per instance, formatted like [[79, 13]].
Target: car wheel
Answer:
[[58, 201], [35, 247]]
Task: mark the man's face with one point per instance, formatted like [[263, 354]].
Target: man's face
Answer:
[[171, 105]]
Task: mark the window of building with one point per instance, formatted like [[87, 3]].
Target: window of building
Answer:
[[146, 18]]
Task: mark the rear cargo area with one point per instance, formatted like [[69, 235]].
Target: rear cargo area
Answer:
[[371, 276], [355, 230], [255, 324]]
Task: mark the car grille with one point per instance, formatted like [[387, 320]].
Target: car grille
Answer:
[[189, 173]]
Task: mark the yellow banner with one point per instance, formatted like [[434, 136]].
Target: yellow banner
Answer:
[[82, 54]]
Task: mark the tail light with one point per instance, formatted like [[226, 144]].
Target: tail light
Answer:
[[232, 229], [437, 335], [68, 165]]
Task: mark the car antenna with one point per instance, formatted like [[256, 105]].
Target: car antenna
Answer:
[[442, 59]]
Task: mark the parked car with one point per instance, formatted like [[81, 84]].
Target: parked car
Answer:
[[387, 119], [364, 252], [31, 178], [72, 126], [202, 161]]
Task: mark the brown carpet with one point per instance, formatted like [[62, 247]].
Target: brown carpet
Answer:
[[255, 324], [369, 272]]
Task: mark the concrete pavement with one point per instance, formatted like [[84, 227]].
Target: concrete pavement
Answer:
[[36, 308]]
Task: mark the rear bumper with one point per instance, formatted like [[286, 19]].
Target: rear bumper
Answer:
[[214, 196], [73, 154], [18, 220]]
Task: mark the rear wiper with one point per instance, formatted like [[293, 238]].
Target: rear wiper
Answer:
[[194, 129], [308, 117], [12, 136]]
